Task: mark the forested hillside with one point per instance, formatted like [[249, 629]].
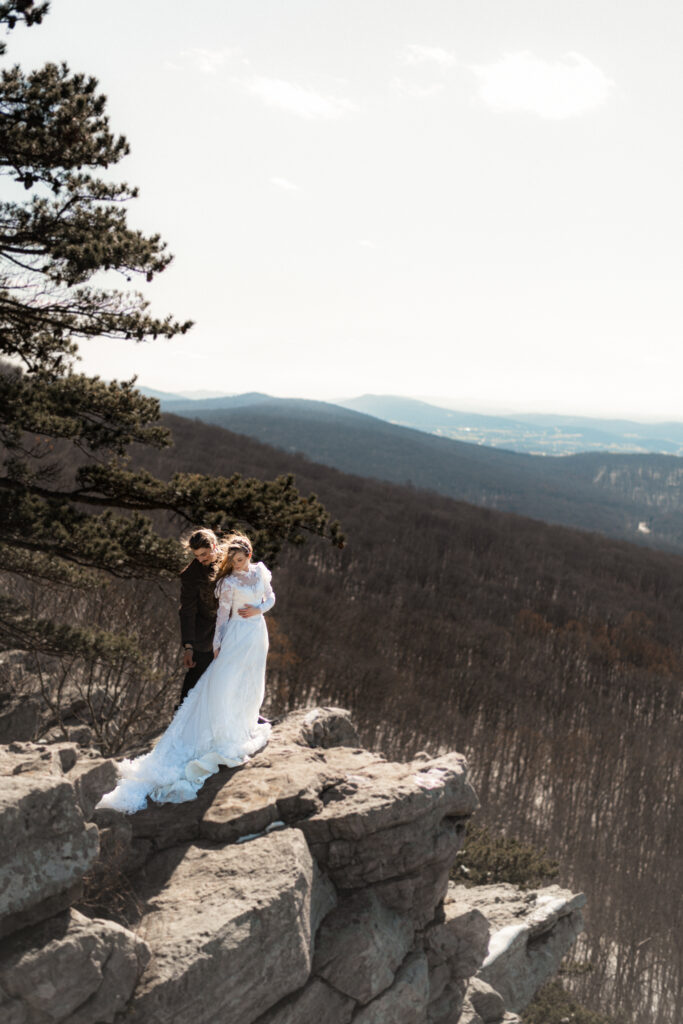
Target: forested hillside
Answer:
[[634, 497], [552, 657]]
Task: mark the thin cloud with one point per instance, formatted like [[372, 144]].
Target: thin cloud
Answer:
[[420, 92], [414, 54], [209, 62], [285, 184], [555, 90], [276, 92]]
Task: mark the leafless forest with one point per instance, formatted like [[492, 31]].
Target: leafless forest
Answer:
[[566, 702], [552, 658]]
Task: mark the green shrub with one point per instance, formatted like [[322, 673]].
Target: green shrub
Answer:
[[552, 1005], [487, 858]]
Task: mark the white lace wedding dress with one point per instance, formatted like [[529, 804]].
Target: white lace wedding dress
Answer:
[[217, 723]]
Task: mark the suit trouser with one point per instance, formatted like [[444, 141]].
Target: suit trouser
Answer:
[[202, 661]]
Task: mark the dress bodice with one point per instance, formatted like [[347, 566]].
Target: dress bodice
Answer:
[[240, 588], [244, 587]]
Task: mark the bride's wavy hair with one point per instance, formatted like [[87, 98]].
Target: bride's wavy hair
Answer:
[[235, 543]]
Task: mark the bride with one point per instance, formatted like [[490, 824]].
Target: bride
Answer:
[[217, 723]]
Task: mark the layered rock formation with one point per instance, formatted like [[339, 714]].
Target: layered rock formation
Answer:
[[310, 885]]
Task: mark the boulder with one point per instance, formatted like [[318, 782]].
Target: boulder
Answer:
[[69, 968], [417, 894], [91, 778], [76, 732], [459, 940], [455, 944], [399, 824], [468, 1015], [231, 929], [324, 727], [81, 734], [406, 1001], [360, 946], [530, 933], [120, 853], [283, 788], [329, 727], [485, 1001], [45, 848], [449, 1006], [38, 758], [19, 719], [390, 798]]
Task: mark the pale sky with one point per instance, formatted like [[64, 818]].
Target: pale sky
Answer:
[[478, 200]]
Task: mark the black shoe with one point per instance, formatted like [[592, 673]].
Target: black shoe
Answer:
[[264, 721]]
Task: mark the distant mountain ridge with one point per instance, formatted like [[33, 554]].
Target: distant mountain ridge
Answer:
[[534, 433], [198, 405], [633, 497], [161, 396], [527, 433]]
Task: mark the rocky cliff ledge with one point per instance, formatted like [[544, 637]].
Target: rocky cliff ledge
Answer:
[[308, 887]]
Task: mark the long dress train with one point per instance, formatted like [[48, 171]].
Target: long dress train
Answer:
[[217, 723]]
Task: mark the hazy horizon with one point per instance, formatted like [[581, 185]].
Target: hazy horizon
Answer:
[[436, 401]]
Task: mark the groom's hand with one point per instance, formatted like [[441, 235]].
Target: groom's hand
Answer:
[[188, 659]]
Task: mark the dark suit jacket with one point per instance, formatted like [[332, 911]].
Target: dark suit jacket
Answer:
[[198, 606]]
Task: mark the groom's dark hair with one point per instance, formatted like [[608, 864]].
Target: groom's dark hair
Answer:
[[203, 538]]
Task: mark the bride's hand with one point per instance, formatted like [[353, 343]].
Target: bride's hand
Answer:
[[216, 653], [247, 610]]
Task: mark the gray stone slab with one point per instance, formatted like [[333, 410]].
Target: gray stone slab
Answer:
[[45, 848], [361, 945], [230, 930], [69, 969]]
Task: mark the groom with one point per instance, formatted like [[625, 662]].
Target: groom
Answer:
[[198, 607]]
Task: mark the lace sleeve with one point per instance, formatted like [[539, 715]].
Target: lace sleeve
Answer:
[[269, 598], [224, 595]]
